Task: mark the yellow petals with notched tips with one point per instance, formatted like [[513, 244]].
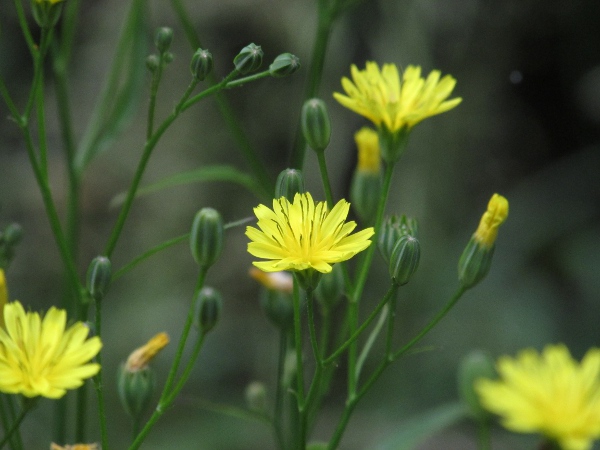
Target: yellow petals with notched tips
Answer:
[[304, 235], [387, 101], [140, 357], [496, 214], [548, 393], [42, 356]]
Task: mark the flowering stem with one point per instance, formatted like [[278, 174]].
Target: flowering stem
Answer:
[[483, 435], [277, 419], [27, 406], [156, 76], [300, 400], [15, 440], [325, 178], [315, 384], [98, 380], [168, 396]]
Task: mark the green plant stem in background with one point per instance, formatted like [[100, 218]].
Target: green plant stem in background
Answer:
[[280, 389], [315, 385], [300, 399], [25, 27], [9, 410], [169, 393], [28, 404], [156, 77], [483, 435], [325, 178], [98, 380]]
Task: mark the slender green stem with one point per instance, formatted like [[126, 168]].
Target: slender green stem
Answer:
[[325, 179], [29, 403], [427, 328], [389, 339], [98, 380], [156, 77], [15, 439], [391, 292], [483, 435], [279, 391], [370, 341], [38, 70], [41, 123], [315, 384], [25, 27], [300, 399], [334, 442], [169, 393], [14, 112]]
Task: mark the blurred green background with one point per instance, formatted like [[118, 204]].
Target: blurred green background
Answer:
[[529, 75]]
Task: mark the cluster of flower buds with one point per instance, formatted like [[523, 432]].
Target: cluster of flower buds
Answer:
[[9, 238], [400, 248], [162, 42], [316, 125]]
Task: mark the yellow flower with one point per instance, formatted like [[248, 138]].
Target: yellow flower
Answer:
[[140, 357], [367, 142], [54, 446], [496, 214], [381, 97], [549, 393], [42, 357], [304, 235], [274, 281], [3, 297]]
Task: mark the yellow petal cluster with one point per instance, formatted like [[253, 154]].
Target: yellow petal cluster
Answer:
[[43, 357], [3, 297], [496, 214], [380, 95], [367, 143], [140, 357], [303, 235], [549, 393]]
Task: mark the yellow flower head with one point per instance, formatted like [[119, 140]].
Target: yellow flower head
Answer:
[[496, 214], [3, 297], [549, 393], [54, 446], [274, 281], [140, 357], [381, 97], [304, 235], [367, 142], [43, 357]]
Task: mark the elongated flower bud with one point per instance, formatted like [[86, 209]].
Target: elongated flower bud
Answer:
[[289, 183], [206, 238], [284, 65], [392, 229], [98, 277], [210, 304], [316, 126], [163, 39], [405, 259], [201, 64], [249, 59]]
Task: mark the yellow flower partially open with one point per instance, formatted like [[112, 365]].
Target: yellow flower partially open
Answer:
[[43, 357], [304, 235], [367, 143], [380, 95], [496, 214], [140, 357], [549, 393]]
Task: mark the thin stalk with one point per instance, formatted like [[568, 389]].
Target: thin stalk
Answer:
[[17, 423], [279, 391], [98, 380], [25, 27], [483, 435], [82, 394], [14, 112], [370, 341], [13, 415], [156, 77], [325, 179], [316, 381], [300, 399]]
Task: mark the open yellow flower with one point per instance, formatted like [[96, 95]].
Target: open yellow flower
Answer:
[[549, 393], [304, 235], [381, 97], [43, 357]]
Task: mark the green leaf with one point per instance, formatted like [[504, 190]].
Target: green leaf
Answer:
[[122, 91], [416, 430], [204, 174]]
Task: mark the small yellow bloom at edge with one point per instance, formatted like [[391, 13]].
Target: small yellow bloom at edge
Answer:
[[496, 214]]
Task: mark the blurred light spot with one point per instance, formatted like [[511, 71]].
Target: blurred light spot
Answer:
[[515, 77]]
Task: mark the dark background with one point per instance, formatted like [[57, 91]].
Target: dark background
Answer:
[[529, 75]]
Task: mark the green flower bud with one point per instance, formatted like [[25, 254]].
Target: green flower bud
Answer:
[[168, 57], [476, 364], [210, 304], [330, 290], [152, 63], [393, 143], [392, 229], [202, 64], [405, 259], [256, 396], [289, 183], [206, 238], [474, 263], [284, 65], [46, 13], [13, 234], [98, 277], [163, 39], [278, 307], [249, 59], [135, 389], [365, 192], [316, 126]]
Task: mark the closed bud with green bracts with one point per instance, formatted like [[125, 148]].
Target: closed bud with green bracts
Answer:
[[316, 126], [163, 39], [330, 290], [168, 57], [365, 192], [475, 365], [206, 237], [209, 303], [284, 65], [46, 13], [405, 259], [392, 229], [249, 59], [278, 308], [135, 389], [98, 278], [474, 263], [289, 183], [256, 397], [202, 64], [152, 63], [12, 235], [392, 143]]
